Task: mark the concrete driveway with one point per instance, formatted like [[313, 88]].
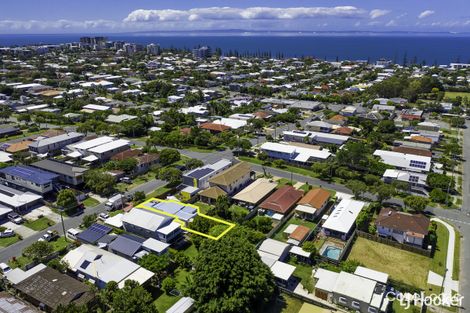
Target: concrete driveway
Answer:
[[21, 230], [43, 211]]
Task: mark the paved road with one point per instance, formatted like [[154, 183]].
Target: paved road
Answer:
[[72, 222]]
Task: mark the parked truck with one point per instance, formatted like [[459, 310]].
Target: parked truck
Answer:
[[115, 202]]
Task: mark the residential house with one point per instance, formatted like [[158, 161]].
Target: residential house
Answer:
[[145, 162], [414, 179], [319, 126], [233, 179], [403, 227], [68, 173], [282, 201], [411, 115], [364, 291], [273, 253], [199, 177], [25, 177], [214, 128], [54, 144], [254, 193], [48, 289], [151, 224], [313, 204], [314, 137], [294, 154], [342, 220], [98, 266], [405, 161]]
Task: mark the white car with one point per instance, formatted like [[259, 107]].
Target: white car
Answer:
[[7, 233], [103, 216], [4, 268]]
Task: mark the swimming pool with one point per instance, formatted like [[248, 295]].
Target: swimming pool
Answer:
[[332, 252]]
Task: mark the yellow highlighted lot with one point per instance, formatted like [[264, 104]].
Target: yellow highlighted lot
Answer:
[[183, 224]]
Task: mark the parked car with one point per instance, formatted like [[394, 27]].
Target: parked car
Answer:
[[4, 268], [7, 233], [50, 235], [103, 216], [126, 180], [72, 233], [15, 218]]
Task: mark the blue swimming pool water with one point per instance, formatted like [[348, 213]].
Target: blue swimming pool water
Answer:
[[332, 252]]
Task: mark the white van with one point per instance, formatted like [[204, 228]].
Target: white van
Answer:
[[72, 233]]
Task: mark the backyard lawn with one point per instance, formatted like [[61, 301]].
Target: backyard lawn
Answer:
[[438, 263], [304, 273], [203, 207], [90, 202], [455, 94], [285, 304], [164, 301], [39, 224], [294, 220], [401, 265], [5, 242]]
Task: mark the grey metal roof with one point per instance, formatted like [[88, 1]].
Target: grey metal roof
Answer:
[[125, 245], [60, 168]]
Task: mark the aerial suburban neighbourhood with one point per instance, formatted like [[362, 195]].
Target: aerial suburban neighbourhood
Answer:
[[142, 178]]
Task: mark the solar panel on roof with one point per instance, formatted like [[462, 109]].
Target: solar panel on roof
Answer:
[[94, 233], [201, 173]]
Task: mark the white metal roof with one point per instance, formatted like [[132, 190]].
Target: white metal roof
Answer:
[[326, 279], [344, 215], [274, 247], [355, 287], [371, 274], [403, 160], [85, 145], [155, 245], [282, 270], [109, 146]]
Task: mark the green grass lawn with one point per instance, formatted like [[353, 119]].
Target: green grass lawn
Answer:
[[114, 213], [455, 94], [287, 168], [304, 273], [401, 265], [20, 262], [456, 271], [438, 263], [60, 243], [90, 202], [39, 224], [397, 308], [307, 187], [137, 181], [158, 192], [5, 242], [285, 304], [294, 220], [285, 181], [164, 301], [190, 251], [204, 207]]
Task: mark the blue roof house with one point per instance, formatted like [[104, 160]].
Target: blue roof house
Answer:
[[23, 177]]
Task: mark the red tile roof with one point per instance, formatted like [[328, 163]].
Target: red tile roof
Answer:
[[282, 200], [300, 233], [416, 224], [214, 127]]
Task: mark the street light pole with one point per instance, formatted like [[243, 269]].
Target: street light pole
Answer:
[[62, 222]]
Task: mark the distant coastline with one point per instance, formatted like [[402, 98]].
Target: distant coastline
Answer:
[[426, 48]]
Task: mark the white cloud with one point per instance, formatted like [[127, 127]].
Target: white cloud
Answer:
[[62, 24], [391, 23], [376, 13], [252, 13], [425, 14]]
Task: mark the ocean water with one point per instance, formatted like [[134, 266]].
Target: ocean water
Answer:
[[427, 48]]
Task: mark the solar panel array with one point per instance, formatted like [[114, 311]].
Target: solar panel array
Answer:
[[93, 233]]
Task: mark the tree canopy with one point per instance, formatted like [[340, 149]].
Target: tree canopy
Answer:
[[230, 277]]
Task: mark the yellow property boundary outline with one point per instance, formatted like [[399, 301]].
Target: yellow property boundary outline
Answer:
[[183, 224]]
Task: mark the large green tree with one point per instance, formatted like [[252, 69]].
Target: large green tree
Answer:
[[230, 277], [66, 199]]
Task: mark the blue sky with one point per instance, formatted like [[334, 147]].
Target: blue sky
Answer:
[[106, 16]]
